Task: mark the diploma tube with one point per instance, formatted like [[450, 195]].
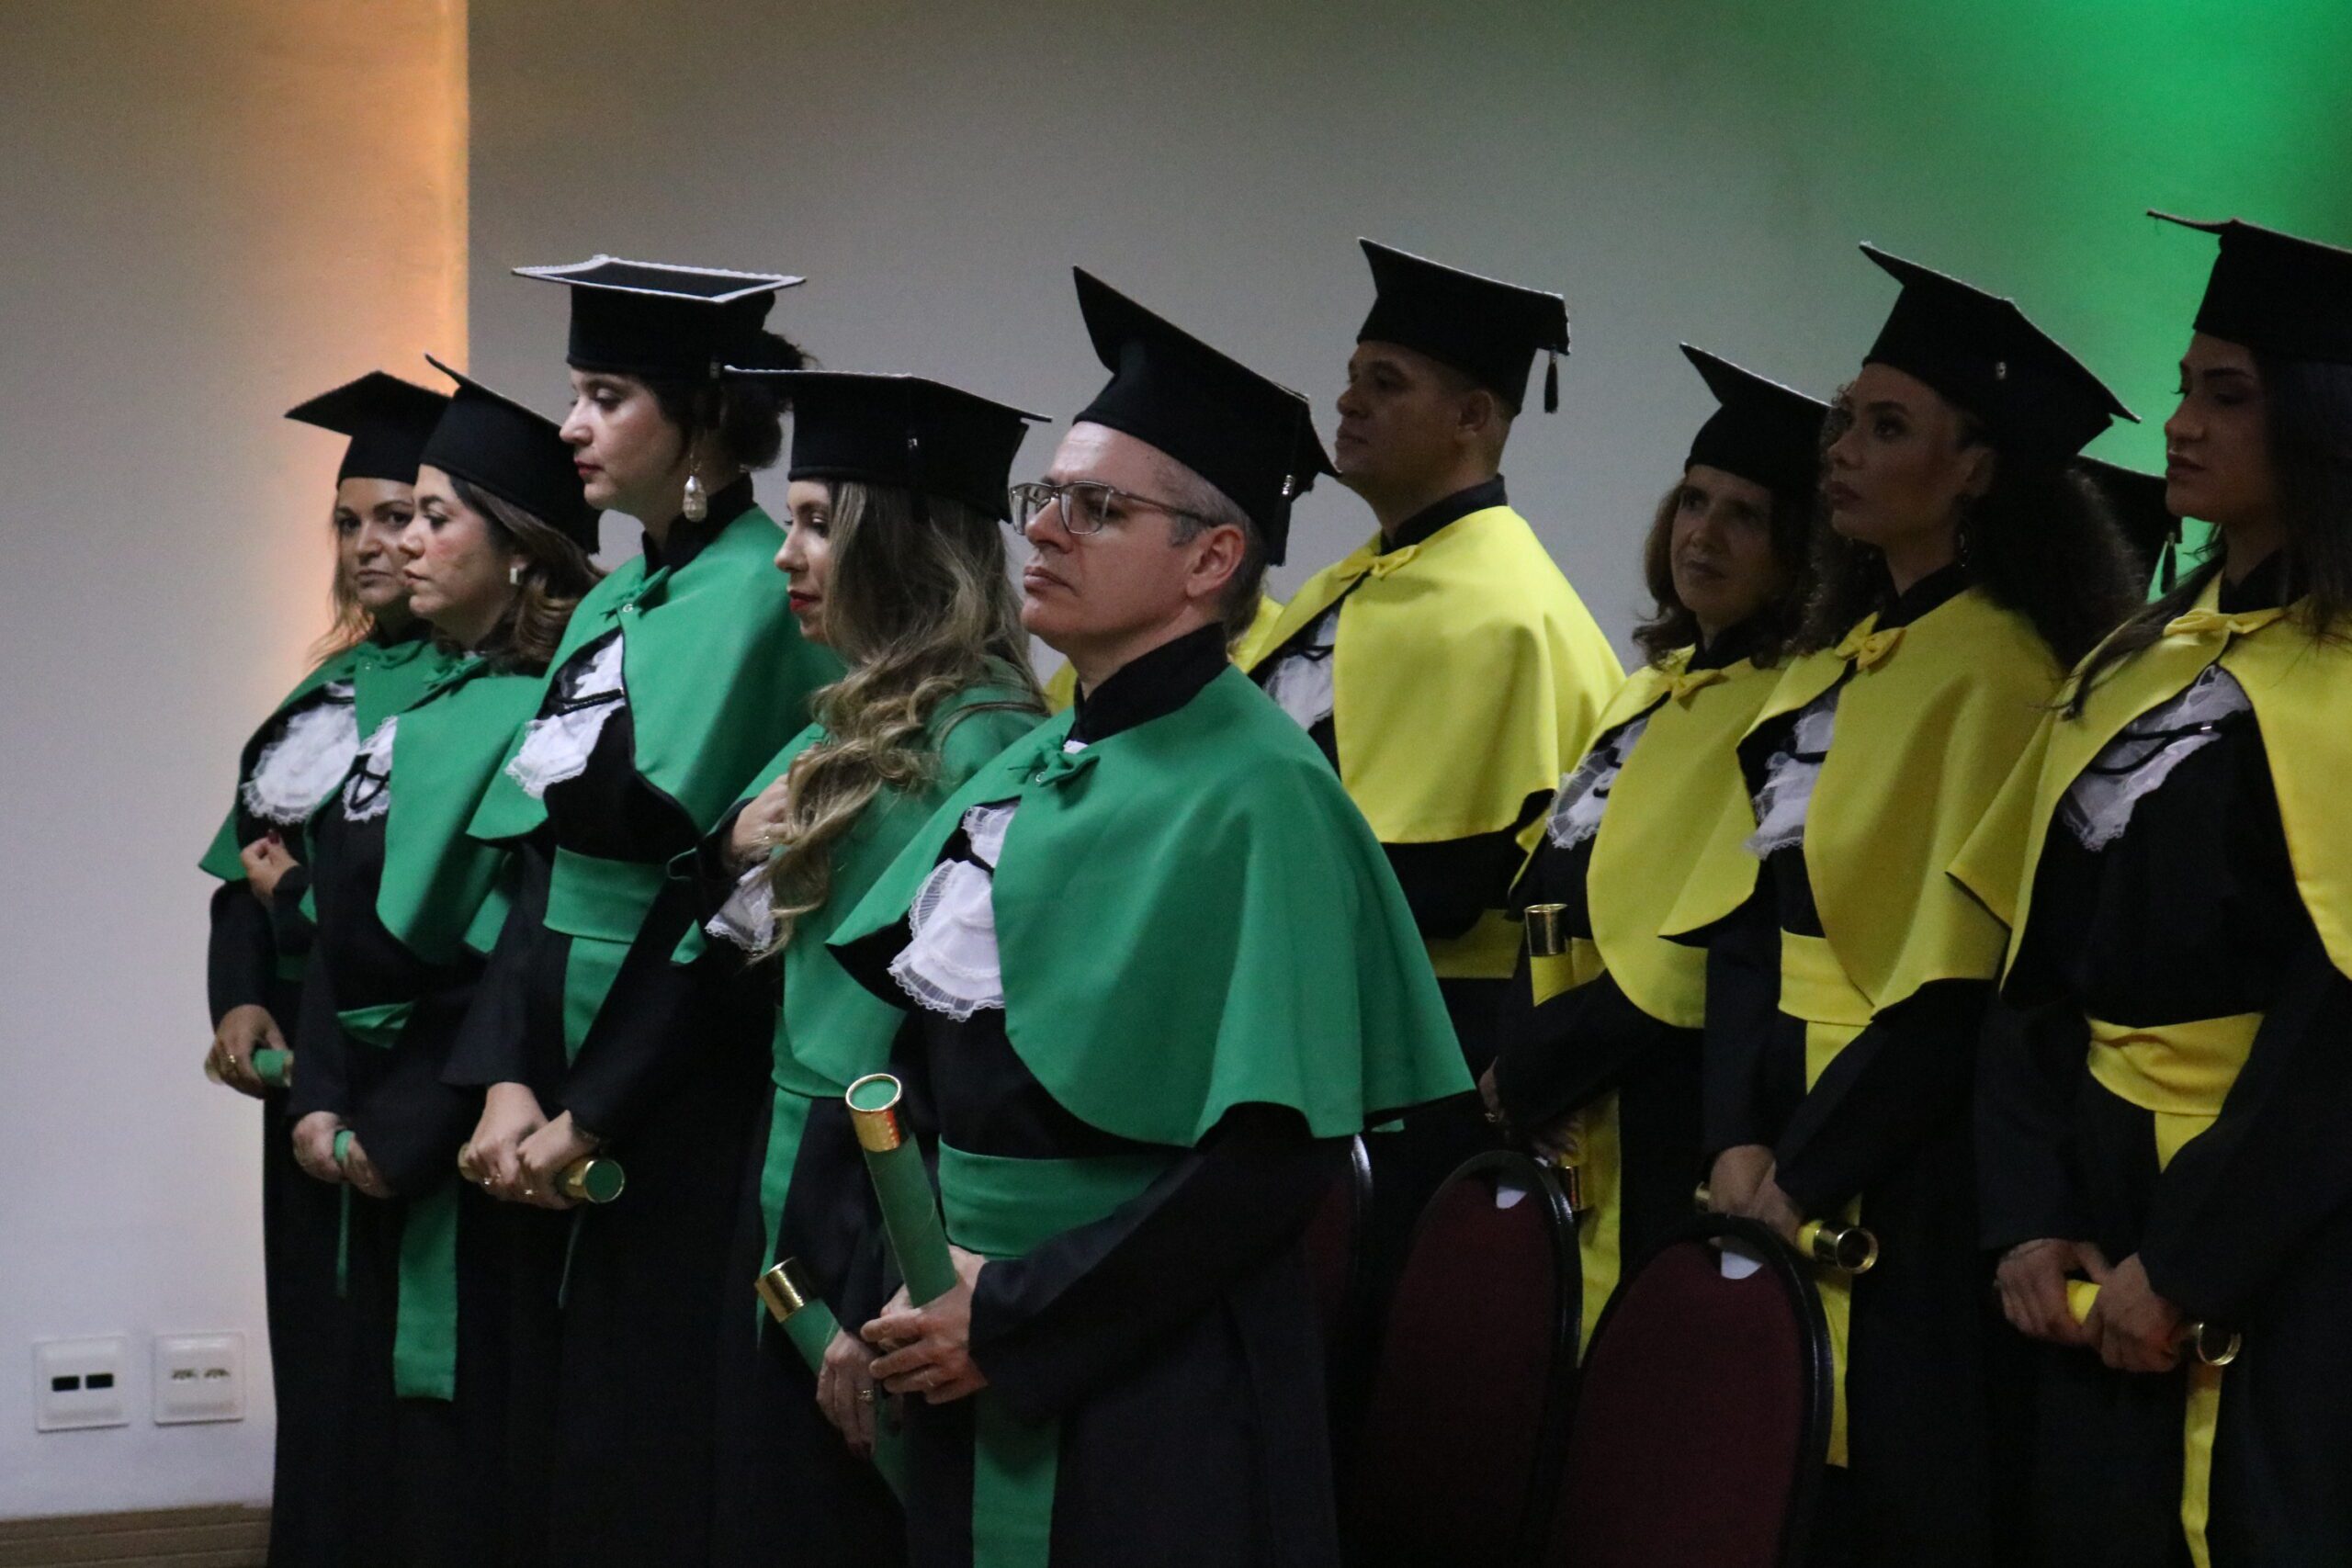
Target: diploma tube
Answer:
[[1547, 931], [1850, 1249], [273, 1067], [591, 1178], [910, 1212], [809, 1323], [2214, 1347]]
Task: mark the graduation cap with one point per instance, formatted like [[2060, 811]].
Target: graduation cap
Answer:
[[2136, 501], [2274, 292], [515, 452], [1251, 438], [386, 418], [1980, 351], [1488, 330], [1762, 431], [635, 318], [902, 430]]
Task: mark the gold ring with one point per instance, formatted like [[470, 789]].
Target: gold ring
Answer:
[[866, 1395]]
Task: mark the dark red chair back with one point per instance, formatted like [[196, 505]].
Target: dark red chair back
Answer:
[[1335, 1248], [1461, 1433], [1702, 1422]]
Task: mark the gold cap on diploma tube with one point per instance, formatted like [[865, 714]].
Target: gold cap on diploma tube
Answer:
[[1547, 934], [785, 1290], [873, 1111]]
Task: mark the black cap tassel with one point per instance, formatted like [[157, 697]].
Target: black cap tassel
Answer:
[[1551, 382]]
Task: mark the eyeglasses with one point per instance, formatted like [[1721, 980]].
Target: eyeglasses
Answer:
[[1085, 505]]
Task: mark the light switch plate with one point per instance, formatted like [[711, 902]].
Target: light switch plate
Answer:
[[200, 1377], [78, 1382]]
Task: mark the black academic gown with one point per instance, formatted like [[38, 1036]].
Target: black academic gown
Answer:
[[2191, 913], [1176, 1339], [617, 1307], [1889, 1123], [428, 1477], [786, 1481], [1449, 886], [1560, 1056], [255, 956]]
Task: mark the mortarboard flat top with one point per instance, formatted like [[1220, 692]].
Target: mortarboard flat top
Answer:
[[2276, 292], [902, 430], [1762, 431], [637, 318], [1980, 351], [1488, 330], [386, 418], [1250, 437], [515, 452]]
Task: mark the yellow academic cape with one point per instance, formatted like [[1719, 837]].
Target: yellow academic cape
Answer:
[[1467, 677]]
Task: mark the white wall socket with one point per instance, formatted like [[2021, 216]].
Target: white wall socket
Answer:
[[78, 1382], [200, 1377]]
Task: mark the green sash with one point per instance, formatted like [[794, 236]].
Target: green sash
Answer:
[[425, 1331], [1004, 1209]]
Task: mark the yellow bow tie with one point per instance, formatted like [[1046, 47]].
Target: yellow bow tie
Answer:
[[1867, 648], [2212, 623], [1687, 683]]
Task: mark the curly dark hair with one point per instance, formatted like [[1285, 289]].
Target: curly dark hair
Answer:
[[1671, 625], [2040, 541], [742, 415], [2307, 406]]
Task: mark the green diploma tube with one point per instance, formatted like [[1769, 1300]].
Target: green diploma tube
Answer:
[[809, 1323], [274, 1067], [909, 1213], [591, 1178]]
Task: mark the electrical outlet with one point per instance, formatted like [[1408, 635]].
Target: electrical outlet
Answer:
[[200, 1377], [78, 1382]]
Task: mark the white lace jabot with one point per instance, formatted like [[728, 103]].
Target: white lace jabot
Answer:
[[556, 746], [2132, 766], [1789, 776], [310, 757]]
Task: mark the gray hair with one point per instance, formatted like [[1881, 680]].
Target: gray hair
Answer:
[[1205, 507]]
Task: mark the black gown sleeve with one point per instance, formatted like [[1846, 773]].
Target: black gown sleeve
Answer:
[[1049, 1327], [2028, 1069], [292, 927], [707, 869], [240, 955], [1569, 1050], [1743, 1003], [1450, 883], [2237, 1200], [492, 1043], [322, 1066], [1872, 1107], [641, 1043]]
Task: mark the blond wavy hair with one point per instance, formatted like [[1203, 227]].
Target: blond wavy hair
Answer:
[[920, 605]]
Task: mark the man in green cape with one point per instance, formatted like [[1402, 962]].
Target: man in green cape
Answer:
[[1159, 971]]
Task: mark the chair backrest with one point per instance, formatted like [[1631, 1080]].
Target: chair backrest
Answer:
[[1702, 1422], [1464, 1423]]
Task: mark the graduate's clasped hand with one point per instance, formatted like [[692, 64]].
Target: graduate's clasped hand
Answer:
[[928, 1349]]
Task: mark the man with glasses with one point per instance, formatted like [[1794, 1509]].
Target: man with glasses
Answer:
[[1445, 668], [1157, 971]]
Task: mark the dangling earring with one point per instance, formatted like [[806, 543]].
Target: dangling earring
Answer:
[[515, 575], [2168, 569], [1964, 542], [696, 505]]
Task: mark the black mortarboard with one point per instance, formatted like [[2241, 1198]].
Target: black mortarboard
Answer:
[[903, 430], [2274, 292], [1980, 351], [653, 318], [2136, 501], [515, 452], [1251, 438], [1487, 330], [1762, 431], [386, 418]]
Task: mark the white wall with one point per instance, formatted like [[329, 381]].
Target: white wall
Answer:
[[213, 208], [1678, 169]]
